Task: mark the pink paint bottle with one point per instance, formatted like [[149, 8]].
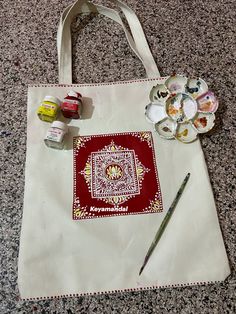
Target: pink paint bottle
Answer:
[[72, 105]]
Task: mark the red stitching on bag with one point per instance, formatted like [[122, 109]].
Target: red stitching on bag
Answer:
[[120, 290], [100, 84]]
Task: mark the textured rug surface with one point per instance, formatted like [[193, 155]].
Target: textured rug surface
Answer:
[[196, 38]]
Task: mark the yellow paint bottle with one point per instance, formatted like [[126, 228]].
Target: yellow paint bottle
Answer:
[[48, 109]]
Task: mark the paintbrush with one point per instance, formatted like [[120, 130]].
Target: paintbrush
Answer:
[[164, 223]]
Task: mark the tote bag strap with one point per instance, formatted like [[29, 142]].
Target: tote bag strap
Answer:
[[137, 43], [139, 39], [64, 34]]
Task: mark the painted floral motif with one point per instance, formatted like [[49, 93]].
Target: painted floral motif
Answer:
[[145, 136], [156, 205], [181, 108], [80, 141], [114, 172], [80, 212]]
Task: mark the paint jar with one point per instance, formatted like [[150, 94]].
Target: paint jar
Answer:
[[72, 105], [48, 109], [55, 135]]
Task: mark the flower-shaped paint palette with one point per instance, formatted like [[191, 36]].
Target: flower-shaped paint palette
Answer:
[[181, 108]]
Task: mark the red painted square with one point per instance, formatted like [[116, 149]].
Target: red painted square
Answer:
[[115, 174]]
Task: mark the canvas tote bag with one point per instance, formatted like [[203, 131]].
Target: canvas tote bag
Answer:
[[68, 248]]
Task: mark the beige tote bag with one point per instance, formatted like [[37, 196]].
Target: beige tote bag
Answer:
[[68, 248]]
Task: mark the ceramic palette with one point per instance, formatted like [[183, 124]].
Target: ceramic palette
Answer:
[[181, 108]]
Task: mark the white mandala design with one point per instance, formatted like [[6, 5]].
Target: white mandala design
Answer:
[[114, 174]]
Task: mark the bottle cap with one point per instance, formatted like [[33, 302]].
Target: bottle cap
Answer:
[[74, 94], [52, 99], [60, 125]]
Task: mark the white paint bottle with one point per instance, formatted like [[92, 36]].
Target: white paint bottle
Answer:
[[56, 134]]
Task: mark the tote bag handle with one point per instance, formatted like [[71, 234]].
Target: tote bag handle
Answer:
[[137, 43]]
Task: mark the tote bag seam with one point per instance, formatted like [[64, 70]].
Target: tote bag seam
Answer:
[[100, 84], [120, 290]]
